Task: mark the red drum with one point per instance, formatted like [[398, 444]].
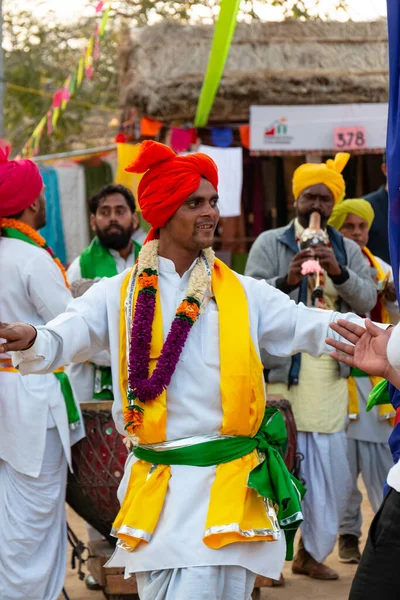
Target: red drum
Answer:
[[98, 461], [290, 452]]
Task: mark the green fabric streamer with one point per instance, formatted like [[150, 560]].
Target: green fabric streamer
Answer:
[[378, 395], [355, 372], [224, 30], [96, 260], [270, 478], [66, 389]]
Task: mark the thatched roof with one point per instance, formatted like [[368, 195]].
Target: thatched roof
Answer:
[[290, 62]]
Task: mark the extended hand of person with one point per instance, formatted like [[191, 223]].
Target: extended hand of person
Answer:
[[17, 336], [295, 276], [367, 348], [327, 260]]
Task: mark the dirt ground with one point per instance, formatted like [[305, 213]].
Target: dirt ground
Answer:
[[296, 586]]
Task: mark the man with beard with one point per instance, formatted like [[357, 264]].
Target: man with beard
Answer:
[[316, 387], [114, 220], [35, 429]]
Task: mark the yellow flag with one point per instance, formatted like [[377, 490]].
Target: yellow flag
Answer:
[[89, 53], [126, 154], [79, 77], [56, 114]]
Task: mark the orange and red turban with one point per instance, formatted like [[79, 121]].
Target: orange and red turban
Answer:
[[20, 183], [168, 180]]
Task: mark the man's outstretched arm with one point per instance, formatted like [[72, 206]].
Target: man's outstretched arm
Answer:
[[367, 350], [73, 336]]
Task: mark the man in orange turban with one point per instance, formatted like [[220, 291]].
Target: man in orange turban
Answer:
[[184, 334], [169, 180]]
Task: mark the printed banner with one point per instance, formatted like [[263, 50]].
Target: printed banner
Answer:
[[309, 128]]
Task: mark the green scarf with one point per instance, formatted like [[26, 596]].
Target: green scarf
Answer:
[[270, 478], [96, 261]]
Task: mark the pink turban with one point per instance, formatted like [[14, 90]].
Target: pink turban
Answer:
[[168, 180], [20, 183]]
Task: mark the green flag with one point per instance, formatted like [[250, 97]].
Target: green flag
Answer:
[[224, 30]]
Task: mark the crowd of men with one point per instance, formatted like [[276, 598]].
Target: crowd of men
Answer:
[[194, 522]]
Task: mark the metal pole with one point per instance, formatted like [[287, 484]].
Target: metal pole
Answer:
[[2, 82]]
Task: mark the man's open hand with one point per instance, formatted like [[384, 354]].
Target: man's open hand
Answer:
[[367, 348], [18, 336]]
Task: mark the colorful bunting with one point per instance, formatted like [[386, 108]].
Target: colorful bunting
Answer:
[[57, 99], [180, 139], [72, 83], [244, 131], [103, 23], [150, 127], [80, 73], [96, 50], [49, 123], [222, 137]]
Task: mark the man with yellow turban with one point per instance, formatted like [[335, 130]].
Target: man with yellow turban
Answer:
[[316, 387], [206, 501], [367, 432]]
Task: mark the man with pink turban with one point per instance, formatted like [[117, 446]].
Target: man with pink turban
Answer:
[[34, 430], [206, 500]]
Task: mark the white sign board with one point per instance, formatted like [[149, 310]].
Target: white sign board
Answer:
[[312, 127]]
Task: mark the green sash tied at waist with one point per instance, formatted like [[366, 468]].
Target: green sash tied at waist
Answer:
[[70, 405], [270, 478]]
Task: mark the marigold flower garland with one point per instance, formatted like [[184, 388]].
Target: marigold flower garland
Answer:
[[35, 237], [140, 385]]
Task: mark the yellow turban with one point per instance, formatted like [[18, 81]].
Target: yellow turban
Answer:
[[329, 174], [358, 207]]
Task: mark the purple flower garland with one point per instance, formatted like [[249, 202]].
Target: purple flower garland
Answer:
[[143, 387]]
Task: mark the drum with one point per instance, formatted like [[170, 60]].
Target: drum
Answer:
[[98, 462]]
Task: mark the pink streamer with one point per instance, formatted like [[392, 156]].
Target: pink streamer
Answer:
[[57, 99], [96, 50], [310, 267], [100, 6], [49, 123]]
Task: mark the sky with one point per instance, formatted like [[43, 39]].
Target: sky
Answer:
[[358, 9]]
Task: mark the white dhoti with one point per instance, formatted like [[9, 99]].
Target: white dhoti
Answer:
[[374, 462], [327, 477], [369, 454], [33, 546], [196, 583]]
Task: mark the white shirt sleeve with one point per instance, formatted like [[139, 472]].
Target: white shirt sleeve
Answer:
[[46, 286], [74, 336], [393, 349], [74, 270], [286, 328]]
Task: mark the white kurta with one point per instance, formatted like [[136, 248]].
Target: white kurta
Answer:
[[32, 290], [34, 437], [82, 375], [193, 400]]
